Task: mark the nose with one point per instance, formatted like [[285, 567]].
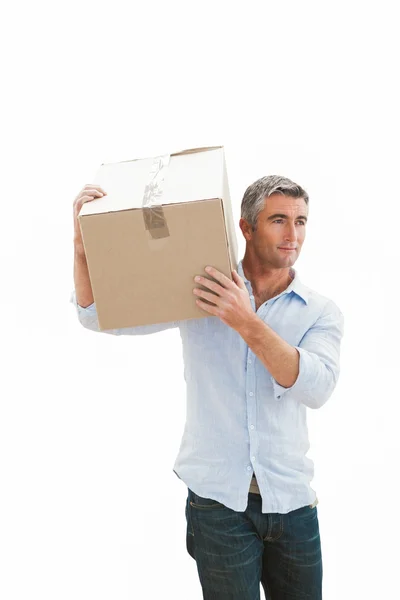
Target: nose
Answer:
[[290, 233]]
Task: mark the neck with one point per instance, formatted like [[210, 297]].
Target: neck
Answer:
[[264, 279]]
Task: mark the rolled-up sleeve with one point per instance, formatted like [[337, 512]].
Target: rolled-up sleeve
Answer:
[[319, 360], [88, 319]]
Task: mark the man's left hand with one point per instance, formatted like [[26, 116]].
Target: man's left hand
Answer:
[[231, 302]]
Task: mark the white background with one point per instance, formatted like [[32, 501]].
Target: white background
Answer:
[[90, 424]]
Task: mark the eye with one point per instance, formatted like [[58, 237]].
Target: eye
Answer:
[[282, 221]]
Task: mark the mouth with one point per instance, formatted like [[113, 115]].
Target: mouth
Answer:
[[287, 249]]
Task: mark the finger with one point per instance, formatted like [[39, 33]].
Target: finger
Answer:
[[212, 310], [92, 191], [238, 280], [223, 279], [207, 295], [211, 285], [94, 186], [87, 195]]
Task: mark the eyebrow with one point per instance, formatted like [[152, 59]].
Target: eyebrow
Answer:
[[279, 216]]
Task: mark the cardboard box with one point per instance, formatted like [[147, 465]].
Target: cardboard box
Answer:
[[162, 222]]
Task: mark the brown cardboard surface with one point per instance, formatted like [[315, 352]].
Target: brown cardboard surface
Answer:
[[139, 279]]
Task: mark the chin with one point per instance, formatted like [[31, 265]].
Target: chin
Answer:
[[288, 262]]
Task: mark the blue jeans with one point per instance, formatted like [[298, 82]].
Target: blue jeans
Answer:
[[236, 551]]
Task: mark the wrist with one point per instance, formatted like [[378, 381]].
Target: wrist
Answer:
[[249, 324]]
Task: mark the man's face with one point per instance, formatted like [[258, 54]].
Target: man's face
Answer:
[[280, 233]]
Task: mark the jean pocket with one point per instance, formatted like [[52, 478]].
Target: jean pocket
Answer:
[[201, 503], [306, 510], [189, 525]]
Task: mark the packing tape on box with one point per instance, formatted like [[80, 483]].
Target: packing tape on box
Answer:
[[153, 213]]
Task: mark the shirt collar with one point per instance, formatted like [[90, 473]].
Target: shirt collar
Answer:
[[294, 286]]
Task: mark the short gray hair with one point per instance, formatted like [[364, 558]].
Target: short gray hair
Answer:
[[254, 197]]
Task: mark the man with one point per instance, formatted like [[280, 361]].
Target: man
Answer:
[[268, 350]]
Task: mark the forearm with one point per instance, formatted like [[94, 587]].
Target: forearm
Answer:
[[279, 358], [83, 287]]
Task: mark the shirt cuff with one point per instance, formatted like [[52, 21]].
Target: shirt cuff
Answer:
[[81, 310]]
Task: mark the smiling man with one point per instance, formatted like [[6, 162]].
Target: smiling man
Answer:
[[268, 350]]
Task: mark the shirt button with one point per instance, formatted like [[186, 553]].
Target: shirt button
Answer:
[[249, 468], [278, 397], [251, 394], [251, 426], [253, 458], [249, 361]]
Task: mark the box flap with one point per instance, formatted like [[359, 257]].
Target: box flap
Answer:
[[193, 150], [194, 174]]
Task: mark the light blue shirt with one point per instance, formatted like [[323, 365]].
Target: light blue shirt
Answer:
[[239, 419]]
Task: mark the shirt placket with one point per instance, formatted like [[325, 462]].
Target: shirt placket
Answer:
[[251, 390], [251, 400]]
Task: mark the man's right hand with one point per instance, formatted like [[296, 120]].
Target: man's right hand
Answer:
[[87, 194]]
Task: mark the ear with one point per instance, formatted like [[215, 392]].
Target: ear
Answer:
[[246, 229]]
